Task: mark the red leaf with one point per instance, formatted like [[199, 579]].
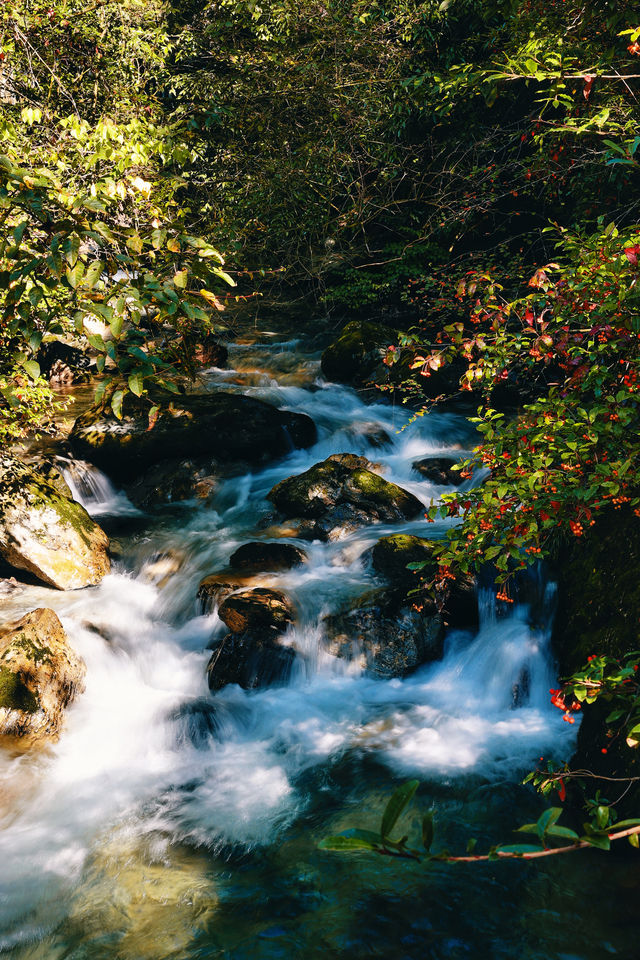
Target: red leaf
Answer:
[[631, 253], [588, 85]]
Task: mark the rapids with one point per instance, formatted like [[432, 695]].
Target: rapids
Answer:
[[169, 822]]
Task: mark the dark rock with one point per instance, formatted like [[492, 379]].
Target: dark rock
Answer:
[[40, 674], [226, 426], [63, 364], [46, 533], [250, 661], [173, 481], [385, 634], [258, 611], [439, 470], [598, 611], [266, 555], [357, 354], [458, 598], [211, 353], [340, 494]]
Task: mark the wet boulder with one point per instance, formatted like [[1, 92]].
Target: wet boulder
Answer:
[[250, 660], [341, 494], [385, 635], [356, 355], [252, 654], [46, 533], [259, 555], [227, 427], [256, 611], [458, 598], [439, 470], [40, 674]]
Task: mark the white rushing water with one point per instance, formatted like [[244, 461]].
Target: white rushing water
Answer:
[[147, 745]]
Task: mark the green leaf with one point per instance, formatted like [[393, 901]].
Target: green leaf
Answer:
[[546, 820], [345, 844], [180, 279], [400, 799], [599, 840], [32, 368], [116, 403], [136, 383], [555, 831]]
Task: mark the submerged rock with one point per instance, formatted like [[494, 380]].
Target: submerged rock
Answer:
[[40, 674], [385, 635], [225, 426], [173, 481], [46, 533], [357, 354], [341, 494], [439, 470], [261, 555], [151, 895]]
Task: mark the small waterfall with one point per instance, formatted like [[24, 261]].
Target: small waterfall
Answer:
[[93, 489]]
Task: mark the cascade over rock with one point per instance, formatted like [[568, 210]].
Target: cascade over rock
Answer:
[[226, 426], [341, 494], [439, 470], [385, 635], [47, 533], [251, 655], [40, 674]]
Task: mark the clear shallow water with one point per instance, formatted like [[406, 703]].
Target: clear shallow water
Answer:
[[167, 822]]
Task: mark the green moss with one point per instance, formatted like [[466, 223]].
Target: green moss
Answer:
[[391, 555], [14, 694], [35, 653], [380, 491]]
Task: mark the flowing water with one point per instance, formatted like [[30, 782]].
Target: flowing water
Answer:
[[168, 822]]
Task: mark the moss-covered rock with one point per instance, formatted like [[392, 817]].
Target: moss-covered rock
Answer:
[[357, 354], [341, 494], [390, 558], [385, 635], [39, 676], [228, 427], [46, 533]]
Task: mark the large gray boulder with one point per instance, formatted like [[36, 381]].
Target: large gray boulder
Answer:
[[225, 426], [341, 494], [47, 533], [40, 674]]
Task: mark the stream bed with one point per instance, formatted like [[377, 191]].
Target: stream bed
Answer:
[[169, 822]]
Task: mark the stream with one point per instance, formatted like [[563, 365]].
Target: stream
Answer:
[[169, 822]]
